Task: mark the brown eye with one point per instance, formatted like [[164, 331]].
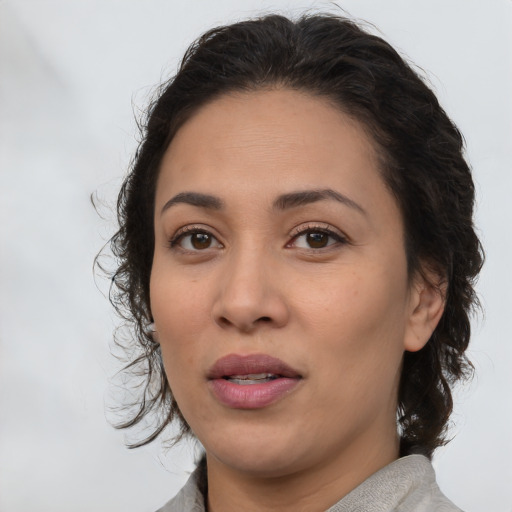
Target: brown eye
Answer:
[[200, 240], [317, 240], [195, 241]]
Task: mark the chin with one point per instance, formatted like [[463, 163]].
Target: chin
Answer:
[[258, 464], [260, 454]]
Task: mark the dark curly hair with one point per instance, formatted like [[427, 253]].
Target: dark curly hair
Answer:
[[421, 160]]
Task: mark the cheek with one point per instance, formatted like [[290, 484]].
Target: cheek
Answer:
[[179, 316], [365, 300], [177, 304], [360, 321]]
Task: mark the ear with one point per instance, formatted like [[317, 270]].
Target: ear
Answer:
[[428, 299], [151, 332]]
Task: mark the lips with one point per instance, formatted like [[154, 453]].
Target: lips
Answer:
[[251, 382]]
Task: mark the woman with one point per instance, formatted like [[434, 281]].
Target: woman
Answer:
[[297, 256]]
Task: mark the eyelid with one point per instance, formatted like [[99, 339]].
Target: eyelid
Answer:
[[190, 229], [318, 226], [322, 227]]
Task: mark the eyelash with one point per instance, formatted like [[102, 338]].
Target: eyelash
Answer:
[[314, 228], [187, 231]]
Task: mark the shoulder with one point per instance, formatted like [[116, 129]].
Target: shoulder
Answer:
[[406, 485], [189, 499], [423, 495]]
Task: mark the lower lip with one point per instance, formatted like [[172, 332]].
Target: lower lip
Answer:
[[251, 396]]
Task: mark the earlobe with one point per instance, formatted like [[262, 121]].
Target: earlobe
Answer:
[[151, 332], [428, 299]]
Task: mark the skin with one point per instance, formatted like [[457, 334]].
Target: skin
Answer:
[[341, 313]]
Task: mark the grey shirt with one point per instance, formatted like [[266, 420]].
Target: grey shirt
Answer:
[[406, 485]]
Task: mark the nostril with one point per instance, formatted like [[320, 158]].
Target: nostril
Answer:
[[224, 321]]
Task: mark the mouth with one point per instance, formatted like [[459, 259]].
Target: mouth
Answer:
[[251, 367], [252, 378], [251, 382]]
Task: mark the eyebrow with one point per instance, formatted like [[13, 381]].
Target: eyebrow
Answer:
[[195, 199], [283, 202], [303, 197]]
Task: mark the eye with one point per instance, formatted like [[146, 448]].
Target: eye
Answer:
[[192, 239], [316, 238]]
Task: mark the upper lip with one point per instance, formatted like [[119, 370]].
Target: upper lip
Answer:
[[235, 364]]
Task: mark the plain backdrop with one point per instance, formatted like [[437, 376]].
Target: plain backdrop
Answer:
[[72, 73]]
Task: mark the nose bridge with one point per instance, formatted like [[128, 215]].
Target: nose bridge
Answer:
[[245, 279], [249, 294]]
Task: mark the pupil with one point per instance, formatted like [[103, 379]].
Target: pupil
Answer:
[[317, 240], [201, 240]]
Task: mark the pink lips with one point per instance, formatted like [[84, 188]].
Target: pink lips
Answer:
[[251, 382]]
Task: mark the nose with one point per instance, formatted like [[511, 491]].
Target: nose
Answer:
[[249, 295]]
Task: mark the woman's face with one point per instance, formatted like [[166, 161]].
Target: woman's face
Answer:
[[279, 285]]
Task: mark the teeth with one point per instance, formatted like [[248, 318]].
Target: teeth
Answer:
[[251, 378]]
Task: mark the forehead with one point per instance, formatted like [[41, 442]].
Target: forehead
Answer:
[[270, 141], [281, 132]]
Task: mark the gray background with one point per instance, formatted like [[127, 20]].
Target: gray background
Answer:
[[69, 72]]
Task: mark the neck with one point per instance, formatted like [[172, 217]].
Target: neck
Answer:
[[314, 489]]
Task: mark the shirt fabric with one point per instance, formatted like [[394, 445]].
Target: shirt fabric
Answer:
[[406, 485]]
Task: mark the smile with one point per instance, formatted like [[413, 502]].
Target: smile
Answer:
[[251, 382]]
